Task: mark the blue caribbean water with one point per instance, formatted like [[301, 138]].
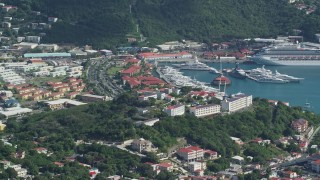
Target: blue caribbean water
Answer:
[[297, 94]]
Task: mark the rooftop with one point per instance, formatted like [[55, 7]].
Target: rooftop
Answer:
[[40, 55]]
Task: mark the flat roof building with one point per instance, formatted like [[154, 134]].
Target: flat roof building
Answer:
[[46, 55], [206, 110], [236, 102]]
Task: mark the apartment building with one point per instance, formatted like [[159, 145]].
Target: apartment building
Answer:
[[191, 153], [236, 102], [206, 110], [300, 125], [176, 110]]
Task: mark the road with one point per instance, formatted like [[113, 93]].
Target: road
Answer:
[[97, 75], [314, 133]]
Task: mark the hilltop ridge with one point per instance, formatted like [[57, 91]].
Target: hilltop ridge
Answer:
[[103, 23]]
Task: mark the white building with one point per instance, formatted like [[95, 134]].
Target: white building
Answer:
[[41, 73], [147, 96], [46, 68], [176, 110], [20, 39], [74, 74], [33, 39], [141, 145], [206, 110], [6, 24], [15, 111], [76, 68], [196, 166], [61, 68], [22, 172], [191, 153], [236, 102], [58, 73], [48, 47], [26, 45]]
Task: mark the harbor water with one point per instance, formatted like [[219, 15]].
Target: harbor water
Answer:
[[297, 94]]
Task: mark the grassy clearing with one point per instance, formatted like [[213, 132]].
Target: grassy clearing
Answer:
[[113, 70], [41, 81]]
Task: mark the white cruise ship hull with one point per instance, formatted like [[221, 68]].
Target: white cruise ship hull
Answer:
[[276, 62]]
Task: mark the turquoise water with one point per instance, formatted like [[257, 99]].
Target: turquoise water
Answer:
[[297, 94]]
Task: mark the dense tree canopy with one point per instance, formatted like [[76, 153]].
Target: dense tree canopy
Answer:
[[107, 23]]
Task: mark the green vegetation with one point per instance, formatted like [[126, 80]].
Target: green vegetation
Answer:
[[114, 70], [114, 121], [108, 23], [41, 81], [262, 153]]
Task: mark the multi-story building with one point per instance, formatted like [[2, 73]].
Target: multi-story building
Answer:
[[146, 97], [48, 47], [141, 145], [58, 73], [33, 39], [236, 102], [197, 166], [176, 110], [191, 153], [300, 125], [206, 110]]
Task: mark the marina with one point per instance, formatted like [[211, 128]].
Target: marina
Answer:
[[195, 65], [307, 89], [175, 77]]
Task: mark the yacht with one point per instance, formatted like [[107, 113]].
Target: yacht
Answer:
[[238, 72], [270, 79], [195, 65], [287, 77]]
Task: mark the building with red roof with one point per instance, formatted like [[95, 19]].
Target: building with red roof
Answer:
[[41, 150], [191, 153], [157, 56], [290, 174], [36, 61], [132, 82], [300, 125], [72, 95], [165, 166], [176, 110], [132, 70], [209, 154], [132, 61]]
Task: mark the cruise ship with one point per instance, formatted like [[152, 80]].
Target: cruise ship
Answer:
[[195, 65], [288, 54]]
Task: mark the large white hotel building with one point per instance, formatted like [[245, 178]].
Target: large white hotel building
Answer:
[[236, 102]]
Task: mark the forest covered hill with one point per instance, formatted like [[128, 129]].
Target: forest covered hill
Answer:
[[105, 23]]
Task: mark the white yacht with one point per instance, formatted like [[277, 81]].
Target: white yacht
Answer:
[[195, 65], [270, 79], [287, 77]]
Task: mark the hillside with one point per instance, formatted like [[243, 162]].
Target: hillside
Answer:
[[104, 23]]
